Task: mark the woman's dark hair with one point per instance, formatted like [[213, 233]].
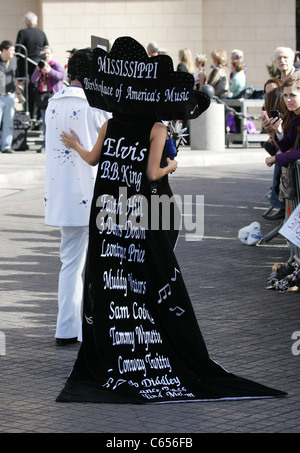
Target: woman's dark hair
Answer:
[[290, 81], [273, 80], [274, 101]]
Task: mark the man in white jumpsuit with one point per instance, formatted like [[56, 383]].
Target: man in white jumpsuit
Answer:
[[68, 195]]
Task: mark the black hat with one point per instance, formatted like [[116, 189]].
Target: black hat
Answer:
[[84, 56], [72, 51], [127, 81]]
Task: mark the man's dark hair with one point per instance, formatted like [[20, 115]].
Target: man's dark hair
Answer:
[[81, 55], [5, 45]]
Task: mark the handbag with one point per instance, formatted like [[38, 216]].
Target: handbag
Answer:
[[287, 183], [42, 98]]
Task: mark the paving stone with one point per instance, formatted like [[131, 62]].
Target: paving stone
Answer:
[[247, 328]]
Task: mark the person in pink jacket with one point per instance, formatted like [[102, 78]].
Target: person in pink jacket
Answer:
[[49, 75]]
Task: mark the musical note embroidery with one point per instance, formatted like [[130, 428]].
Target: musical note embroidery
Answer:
[[89, 320], [178, 310], [175, 275], [163, 293], [192, 111], [118, 382], [112, 381]]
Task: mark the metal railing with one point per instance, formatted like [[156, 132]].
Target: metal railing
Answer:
[[25, 78], [244, 105], [290, 206]]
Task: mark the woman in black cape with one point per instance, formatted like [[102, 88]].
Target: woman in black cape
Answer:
[[141, 340]]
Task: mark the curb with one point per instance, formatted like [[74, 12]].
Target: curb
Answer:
[[27, 167], [198, 158]]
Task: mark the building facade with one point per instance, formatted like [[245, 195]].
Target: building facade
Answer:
[[253, 26]]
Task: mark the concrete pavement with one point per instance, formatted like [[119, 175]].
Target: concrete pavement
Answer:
[[31, 165], [247, 328]]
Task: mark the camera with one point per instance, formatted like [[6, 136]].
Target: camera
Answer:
[[41, 64]]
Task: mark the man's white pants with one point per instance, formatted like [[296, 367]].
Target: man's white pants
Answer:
[[73, 248]]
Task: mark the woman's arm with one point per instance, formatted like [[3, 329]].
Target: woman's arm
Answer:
[[157, 142], [91, 157], [35, 76], [56, 71], [270, 160], [288, 157], [282, 159]]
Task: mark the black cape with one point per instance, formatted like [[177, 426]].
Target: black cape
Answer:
[[141, 340]]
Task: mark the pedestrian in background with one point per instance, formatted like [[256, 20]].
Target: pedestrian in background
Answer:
[[200, 75], [8, 87], [186, 63], [50, 78], [34, 40], [239, 81], [152, 49], [69, 192], [287, 128], [284, 61], [219, 76]]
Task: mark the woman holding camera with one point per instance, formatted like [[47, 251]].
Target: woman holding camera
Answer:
[[49, 75]]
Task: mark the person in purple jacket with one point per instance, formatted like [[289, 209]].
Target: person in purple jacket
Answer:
[[49, 75], [287, 129]]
